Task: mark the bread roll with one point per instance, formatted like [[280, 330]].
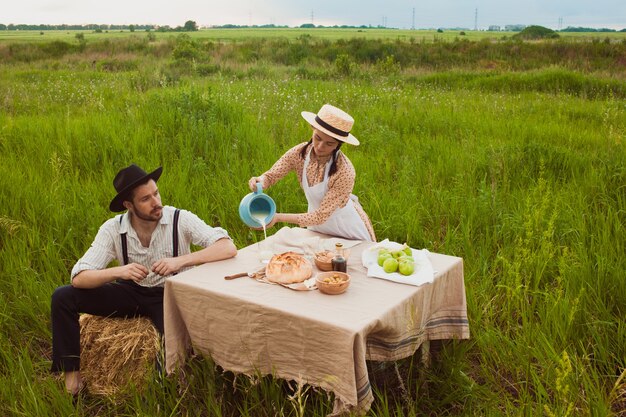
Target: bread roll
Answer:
[[288, 268]]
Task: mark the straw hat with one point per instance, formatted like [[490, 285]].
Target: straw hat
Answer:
[[334, 122], [128, 179]]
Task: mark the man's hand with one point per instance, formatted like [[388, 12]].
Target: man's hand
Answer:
[[93, 278], [167, 266], [134, 272]]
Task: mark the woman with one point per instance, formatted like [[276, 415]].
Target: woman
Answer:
[[326, 176]]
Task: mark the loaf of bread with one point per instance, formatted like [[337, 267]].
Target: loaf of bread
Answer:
[[288, 268]]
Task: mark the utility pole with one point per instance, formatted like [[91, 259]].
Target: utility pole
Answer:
[[413, 25], [312, 20], [476, 19]]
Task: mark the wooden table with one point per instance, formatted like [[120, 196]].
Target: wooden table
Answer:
[[324, 340]]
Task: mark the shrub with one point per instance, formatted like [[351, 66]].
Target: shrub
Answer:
[[536, 32], [388, 65], [344, 64], [186, 49], [297, 52], [56, 49], [82, 42]]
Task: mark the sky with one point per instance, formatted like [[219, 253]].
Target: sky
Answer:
[[403, 14]]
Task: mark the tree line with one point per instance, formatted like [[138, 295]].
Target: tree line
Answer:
[[302, 26], [189, 26], [583, 29]]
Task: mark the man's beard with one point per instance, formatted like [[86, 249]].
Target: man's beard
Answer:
[[150, 217]]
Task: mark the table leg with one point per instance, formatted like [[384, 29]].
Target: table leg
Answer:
[[425, 353]]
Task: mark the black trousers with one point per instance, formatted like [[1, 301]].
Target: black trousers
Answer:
[[116, 299]]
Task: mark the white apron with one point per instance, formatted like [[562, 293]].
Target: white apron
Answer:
[[345, 222]]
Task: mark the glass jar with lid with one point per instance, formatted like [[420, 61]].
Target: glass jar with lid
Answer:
[[339, 262]]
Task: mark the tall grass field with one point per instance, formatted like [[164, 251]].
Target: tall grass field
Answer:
[[510, 154]]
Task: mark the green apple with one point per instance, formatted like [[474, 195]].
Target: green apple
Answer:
[[383, 250], [407, 250], [390, 265], [397, 253], [406, 258], [406, 268], [382, 257]]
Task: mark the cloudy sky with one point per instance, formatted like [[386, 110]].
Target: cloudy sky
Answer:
[[391, 13]]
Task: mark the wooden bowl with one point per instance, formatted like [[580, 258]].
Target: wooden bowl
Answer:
[[323, 266], [332, 282], [323, 260]]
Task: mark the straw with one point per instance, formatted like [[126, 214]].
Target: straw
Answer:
[[116, 352]]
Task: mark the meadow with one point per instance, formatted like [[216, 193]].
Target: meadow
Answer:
[[332, 34], [506, 153]]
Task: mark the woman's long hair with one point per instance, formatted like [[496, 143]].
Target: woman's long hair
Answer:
[[333, 166]]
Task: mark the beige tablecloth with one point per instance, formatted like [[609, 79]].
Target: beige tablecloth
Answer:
[[324, 340]]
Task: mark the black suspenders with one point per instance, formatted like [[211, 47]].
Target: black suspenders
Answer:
[[124, 245], [175, 232], [174, 238]]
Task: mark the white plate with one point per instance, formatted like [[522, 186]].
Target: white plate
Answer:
[[422, 274]]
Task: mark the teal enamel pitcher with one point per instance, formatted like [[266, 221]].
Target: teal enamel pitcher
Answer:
[[257, 208]]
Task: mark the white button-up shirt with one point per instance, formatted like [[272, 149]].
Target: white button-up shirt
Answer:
[[107, 245]]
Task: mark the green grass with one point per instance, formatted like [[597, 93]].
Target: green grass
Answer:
[[312, 57], [521, 173], [331, 34]]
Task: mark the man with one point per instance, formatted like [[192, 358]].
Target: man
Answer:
[[150, 242]]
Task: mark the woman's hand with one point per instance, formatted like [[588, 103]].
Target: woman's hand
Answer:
[[270, 224], [252, 183]]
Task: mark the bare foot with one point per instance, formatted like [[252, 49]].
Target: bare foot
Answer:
[[73, 382]]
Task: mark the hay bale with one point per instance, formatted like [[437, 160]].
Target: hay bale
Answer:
[[116, 352], [617, 396]]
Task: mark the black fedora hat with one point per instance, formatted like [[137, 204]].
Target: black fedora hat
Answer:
[[126, 180]]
